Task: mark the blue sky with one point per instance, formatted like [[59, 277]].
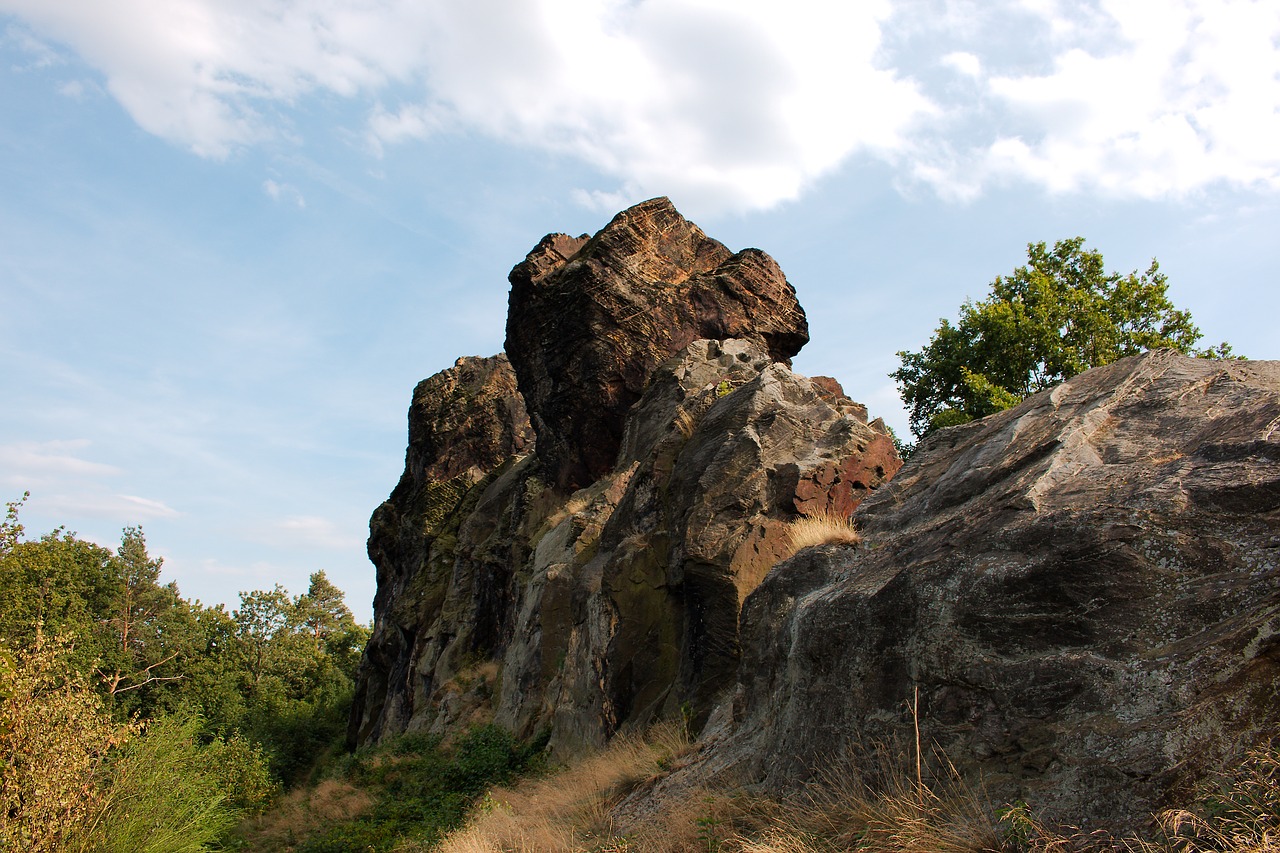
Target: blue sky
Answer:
[[235, 233]]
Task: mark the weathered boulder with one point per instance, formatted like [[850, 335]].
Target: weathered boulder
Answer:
[[590, 319], [1085, 590]]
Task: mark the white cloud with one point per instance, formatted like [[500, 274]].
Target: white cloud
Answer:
[[725, 104], [287, 192], [316, 532], [89, 503], [964, 62], [1143, 99]]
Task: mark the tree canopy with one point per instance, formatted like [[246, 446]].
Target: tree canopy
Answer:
[[1060, 314], [157, 699]]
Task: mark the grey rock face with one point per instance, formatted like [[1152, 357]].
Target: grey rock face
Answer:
[[501, 598], [1085, 590]]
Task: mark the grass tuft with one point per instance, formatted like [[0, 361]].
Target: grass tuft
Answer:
[[824, 528]]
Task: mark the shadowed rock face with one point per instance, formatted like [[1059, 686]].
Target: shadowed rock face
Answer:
[[589, 320], [464, 423], [1085, 589]]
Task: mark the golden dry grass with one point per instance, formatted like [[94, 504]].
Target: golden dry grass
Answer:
[[901, 811], [824, 528], [568, 811], [685, 423], [302, 812]]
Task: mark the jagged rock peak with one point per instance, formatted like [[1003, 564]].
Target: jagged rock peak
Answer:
[[590, 319], [467, 418]]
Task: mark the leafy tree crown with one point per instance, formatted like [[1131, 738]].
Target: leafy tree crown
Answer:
[[1059, 315]]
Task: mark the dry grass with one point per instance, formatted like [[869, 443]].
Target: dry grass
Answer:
[[568, 811], [898, 812], [824, 528], [302, 812], [879, 803], [685, 423]]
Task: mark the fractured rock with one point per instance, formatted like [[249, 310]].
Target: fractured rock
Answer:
[[589, 320]]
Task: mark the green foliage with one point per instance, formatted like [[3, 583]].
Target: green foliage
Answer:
[[55, 737], [1057, 316], [422, 789], [301, 660], [263, 692], [74, 779], [164, 794]]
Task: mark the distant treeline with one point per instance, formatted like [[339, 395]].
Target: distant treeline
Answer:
[[133, 719]]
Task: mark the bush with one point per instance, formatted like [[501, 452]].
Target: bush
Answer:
[[164, 795], [55, 738]]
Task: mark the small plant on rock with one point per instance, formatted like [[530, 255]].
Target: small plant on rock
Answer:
[[823, 528]]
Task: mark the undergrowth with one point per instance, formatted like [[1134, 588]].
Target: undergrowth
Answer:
[[410, 791], [880, 804]]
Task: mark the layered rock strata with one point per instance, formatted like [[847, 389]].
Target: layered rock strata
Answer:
[[1084, 590], [590, 319], [597, 585]]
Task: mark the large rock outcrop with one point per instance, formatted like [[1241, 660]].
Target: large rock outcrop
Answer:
[[1085, 590], [590, 319], [598, 584]]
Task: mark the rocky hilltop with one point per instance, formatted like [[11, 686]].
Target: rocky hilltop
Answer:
[[1079, 597], [1083, 592], [577, 527]]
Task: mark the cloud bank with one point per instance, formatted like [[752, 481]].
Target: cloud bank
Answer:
[[726, 104]]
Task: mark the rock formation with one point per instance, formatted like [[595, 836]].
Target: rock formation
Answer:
[[596, 583], [589, 320], [1085, 590], [1080, 596]]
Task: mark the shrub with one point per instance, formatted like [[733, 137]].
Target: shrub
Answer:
[[164, 795], [55, 738]]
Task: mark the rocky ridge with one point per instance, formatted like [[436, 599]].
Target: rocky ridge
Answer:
[[1084, 590], [592, 579], [1080, 596]]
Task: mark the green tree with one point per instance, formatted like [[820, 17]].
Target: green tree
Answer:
[[1059, 315], [145, 635], [301, 656]]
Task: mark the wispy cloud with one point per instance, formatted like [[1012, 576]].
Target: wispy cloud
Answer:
[[284, 192], [725, 104], [32, 462], [125, 509], [311, 531]]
